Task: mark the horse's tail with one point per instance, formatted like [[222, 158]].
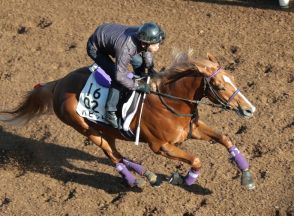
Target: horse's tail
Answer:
[[37, 102]]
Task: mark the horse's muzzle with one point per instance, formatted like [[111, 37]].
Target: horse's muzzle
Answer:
[[247, 113]]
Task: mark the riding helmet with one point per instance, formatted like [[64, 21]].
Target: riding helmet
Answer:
[[150, 33]]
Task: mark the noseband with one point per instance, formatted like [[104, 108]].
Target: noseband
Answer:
[[225, 104]]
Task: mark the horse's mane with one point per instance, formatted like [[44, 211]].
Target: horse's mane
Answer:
[[183, 64]]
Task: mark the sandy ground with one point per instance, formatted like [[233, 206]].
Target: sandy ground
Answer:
[[49, 169]]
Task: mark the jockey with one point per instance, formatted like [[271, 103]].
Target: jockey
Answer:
[[127, 45]]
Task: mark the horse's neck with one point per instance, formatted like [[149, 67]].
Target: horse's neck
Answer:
[[186, 87]]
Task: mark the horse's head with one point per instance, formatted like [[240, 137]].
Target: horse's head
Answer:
[[220, 87]]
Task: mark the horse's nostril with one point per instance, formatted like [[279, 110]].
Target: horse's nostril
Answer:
[[249, 111]]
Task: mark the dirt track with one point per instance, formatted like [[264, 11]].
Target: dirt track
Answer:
[[49, 169]]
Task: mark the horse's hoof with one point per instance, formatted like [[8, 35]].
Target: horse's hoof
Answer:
[[247, 180], [152, 178], [176, 179], [140, 183]]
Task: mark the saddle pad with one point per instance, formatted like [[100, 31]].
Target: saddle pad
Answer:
[[92, 100]]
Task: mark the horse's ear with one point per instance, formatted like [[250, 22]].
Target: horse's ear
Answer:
[[202, 69], [212, 58]]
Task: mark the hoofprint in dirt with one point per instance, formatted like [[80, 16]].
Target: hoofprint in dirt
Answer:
[[49, 168]]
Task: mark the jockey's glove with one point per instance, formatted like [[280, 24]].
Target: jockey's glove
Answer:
[[143, 88], [152, 72]]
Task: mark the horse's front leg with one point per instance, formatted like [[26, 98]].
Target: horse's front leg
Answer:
[[172, 152], [201, 131]]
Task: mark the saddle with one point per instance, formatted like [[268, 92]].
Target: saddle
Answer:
[[93, 98]]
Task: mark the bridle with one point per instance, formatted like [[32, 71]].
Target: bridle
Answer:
[[207, 86], [224, 104]]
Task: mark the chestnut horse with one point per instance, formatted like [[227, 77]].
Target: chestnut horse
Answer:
[[169, 116]]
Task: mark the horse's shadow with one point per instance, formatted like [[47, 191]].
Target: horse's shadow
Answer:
[[262, 4], [54, 160]]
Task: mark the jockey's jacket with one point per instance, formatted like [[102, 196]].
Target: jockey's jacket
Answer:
[[120, 42]]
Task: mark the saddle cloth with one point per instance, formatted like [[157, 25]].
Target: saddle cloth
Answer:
[[93, 98]]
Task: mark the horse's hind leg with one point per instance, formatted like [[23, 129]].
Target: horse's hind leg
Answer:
[[107, 144], [108, 147], [138, 168], [114, 155], [203, 132], [124, 163]]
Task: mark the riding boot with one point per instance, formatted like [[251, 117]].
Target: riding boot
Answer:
[[111, 103]]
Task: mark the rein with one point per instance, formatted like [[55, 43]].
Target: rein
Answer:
[[175, 112], [161, 95], [175, 98], [222, 104]]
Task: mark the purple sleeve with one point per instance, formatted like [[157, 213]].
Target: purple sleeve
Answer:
[[122, 60]]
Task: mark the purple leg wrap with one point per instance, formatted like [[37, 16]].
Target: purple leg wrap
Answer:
[[126, 174], [191, 176], [240, 160], [132, 165]]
